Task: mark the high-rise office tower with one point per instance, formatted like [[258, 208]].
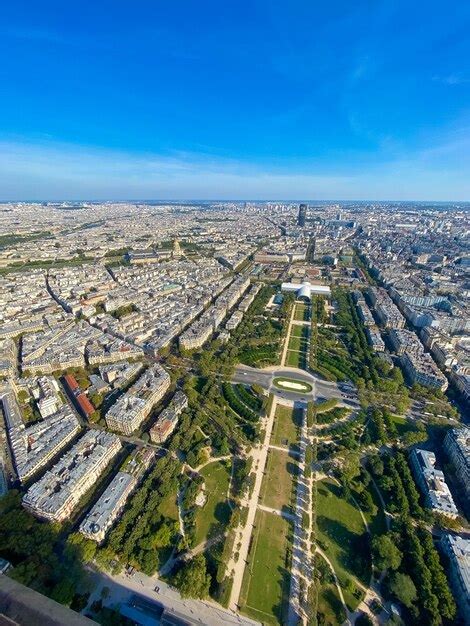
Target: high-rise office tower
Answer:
[[302, 215]]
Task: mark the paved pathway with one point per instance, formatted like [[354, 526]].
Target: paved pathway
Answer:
[[338, 586], [285, 514], [301, 563], [289, 451], [287, 338], [189, 554], [259, 455]]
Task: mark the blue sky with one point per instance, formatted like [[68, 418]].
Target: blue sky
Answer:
[[260, 99]]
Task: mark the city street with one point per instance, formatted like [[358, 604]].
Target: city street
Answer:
[[123, 586], [247, 375]]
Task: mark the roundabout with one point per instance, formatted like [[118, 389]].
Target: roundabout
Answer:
[[289, 384]]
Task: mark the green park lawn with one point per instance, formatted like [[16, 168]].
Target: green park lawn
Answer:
[[403, 425], [278, 481], [299, 331], [296, 359], [330, 607], [302, 313], [286, 426], [341, 534], [168, 507], [214, 515], [265, 588], [297, 343]]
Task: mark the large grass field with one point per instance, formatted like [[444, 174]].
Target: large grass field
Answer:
[[278, 482], [265, 588], [287, 422], [212, 517], [342, 535]]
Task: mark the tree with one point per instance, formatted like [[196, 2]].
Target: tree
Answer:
[[386, 554], [351, 466], [376, 465], [96, 399], [81, 546], [192, 580], [164, 535], [403, 588]]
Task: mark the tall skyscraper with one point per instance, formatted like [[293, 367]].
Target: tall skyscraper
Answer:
[[302, 215]]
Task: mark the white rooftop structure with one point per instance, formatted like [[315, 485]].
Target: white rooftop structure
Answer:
[[306, 289]]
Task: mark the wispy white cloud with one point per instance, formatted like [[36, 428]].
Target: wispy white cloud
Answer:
[[363, 68], [47, 170], [452, 79]]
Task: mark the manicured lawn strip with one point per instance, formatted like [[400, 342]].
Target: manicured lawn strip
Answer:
[[296, 343], [341, 534], [299, 331], [265, 588], [302, 313], [215, 513], [285, 383], [296, 359], [286, 426], [278, 482]]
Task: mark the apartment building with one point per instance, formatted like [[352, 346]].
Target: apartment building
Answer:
[[457, 446], [131, 409], [422, 370], [7, 357], [57, 493], [432, 483], [108, 508], [375, 339], [34, 446], [386, 311], [457, 549], [168, 418], [201, 330]]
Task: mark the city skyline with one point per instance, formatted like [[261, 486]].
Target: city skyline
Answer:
[[205, 400]]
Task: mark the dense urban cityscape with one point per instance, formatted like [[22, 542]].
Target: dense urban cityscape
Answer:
[[235, 412]]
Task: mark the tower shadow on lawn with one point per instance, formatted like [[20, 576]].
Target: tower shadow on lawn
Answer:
[[281, 609], [353, 551]]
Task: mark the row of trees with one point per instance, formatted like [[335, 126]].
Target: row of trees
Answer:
[[209, 421], [395, 479], [143, 532], [333, 415], [416, 576], [381, 429], [249, 398], [237, 405]]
